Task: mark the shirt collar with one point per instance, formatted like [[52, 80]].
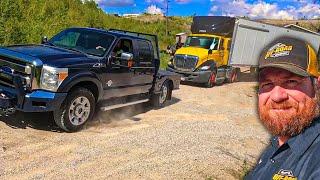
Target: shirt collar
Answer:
[[300, 143]]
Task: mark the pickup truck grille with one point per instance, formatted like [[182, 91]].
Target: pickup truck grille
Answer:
[[185, 62], [9, 66]]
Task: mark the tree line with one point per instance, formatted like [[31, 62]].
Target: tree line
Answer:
[[26, 21]]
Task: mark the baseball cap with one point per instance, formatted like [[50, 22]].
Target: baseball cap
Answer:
[[291, 54]]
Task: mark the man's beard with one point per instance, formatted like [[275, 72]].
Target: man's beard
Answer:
[[292, 122]]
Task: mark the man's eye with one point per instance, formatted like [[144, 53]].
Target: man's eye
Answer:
[[292, 83], [266, 86]]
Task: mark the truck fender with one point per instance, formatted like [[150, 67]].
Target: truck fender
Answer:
[[70, 82], [211, 63]]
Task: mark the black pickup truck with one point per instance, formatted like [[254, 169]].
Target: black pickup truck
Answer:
[[81, 68]]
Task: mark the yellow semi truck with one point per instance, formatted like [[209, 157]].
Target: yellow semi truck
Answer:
[[219, 45], [204, 57]]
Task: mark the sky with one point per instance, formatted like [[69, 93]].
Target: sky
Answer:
[[255, 9]]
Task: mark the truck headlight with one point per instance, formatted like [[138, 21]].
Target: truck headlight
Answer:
[[52, 77], [204, 68]]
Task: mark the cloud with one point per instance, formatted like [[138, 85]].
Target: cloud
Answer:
[[153, 9], [261, 9], [115, 3]]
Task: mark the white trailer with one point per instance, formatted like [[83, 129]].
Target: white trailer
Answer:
[[250, 37]]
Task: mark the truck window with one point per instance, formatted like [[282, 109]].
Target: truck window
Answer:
[[221, 44], [202, 42], [89, 42], [145, 53], [122, 46]]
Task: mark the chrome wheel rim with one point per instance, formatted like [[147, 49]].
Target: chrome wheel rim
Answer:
[[79, 110], [164, 93]]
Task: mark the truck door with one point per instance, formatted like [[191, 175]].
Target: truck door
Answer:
[[215, 52], [119, 78], [144, 68]]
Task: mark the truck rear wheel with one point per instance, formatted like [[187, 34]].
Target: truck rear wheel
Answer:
[[77, 109], [212, 80], [159, 100], [233, 77]]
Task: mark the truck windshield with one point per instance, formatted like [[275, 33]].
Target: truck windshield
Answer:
[[202, 42], [82, 40]]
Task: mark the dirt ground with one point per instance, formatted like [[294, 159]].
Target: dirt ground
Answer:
[[201, 134]]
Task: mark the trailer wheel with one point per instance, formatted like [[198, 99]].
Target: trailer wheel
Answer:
[[159, 100], [76, 110], [212, 80]]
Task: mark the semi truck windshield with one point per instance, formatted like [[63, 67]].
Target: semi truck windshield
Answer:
[[202, 42]]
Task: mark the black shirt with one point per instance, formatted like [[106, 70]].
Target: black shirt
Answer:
[[298, 158]]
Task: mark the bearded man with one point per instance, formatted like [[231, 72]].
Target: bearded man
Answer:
[[289, 108]]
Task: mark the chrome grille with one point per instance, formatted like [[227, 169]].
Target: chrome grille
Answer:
[[185, 62], [17, 68]]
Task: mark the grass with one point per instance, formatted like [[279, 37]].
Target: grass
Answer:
[[164, 58]]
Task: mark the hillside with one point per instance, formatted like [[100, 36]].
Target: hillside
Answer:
[[24, 21], [27, 21]]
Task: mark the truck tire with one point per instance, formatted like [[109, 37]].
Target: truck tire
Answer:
[[233, 76], [77, 109], [211, 81], [159, 100]]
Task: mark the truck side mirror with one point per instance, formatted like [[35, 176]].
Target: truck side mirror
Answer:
[[128, 57], [44, 39]]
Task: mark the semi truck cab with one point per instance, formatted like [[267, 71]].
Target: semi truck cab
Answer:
[[203, 59]]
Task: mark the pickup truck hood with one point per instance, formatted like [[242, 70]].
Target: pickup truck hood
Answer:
[[53, 56]]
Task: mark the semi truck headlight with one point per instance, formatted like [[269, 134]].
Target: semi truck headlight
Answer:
[[52, 77], [204, 68]]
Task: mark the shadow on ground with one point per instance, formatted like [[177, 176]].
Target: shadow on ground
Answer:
[[45, 121], [243, 76]]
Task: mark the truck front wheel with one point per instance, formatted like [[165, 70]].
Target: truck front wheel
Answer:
[[212, 80], [77, 109]]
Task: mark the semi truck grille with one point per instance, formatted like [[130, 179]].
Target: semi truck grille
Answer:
[[10, 66], [185, 62]]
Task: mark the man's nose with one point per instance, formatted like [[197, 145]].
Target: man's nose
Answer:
[[278, 94]]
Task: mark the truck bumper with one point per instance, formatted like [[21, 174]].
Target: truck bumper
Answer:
[[42, 101], [36, 101], [196, 77]]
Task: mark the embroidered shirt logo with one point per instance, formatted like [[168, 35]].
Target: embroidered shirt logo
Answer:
[[284, 175], [279, 50]]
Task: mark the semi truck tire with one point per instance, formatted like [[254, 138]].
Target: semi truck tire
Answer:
[[77, 109], [212, 80], [159, 100], [233, 76]]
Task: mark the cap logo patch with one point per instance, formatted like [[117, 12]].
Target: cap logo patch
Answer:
[[284, 174], [279, 50]]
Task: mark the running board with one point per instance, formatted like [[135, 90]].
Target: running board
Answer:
[[107, 108]]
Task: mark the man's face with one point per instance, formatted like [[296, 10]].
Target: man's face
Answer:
[[287, 102]]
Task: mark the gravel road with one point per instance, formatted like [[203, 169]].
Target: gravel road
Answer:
[[201, 134]]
